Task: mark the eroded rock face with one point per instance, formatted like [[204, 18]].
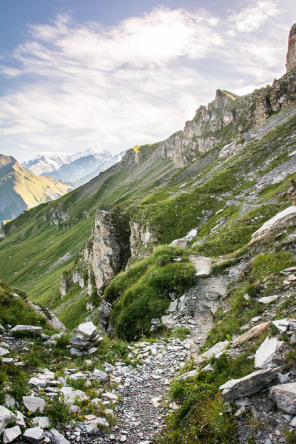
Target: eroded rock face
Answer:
[[292, 193], [142, 239], [106, 249], [291, 54], [197, 134]]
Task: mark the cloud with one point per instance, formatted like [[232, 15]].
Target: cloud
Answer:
[[135, 82]]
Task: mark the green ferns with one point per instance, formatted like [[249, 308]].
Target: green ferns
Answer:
[[143, 292]]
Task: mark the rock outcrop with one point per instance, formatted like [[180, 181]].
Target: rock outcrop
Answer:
[[106, 249], [197, 136], [291, 54], [292, 193], [142, 239], [275, 226]]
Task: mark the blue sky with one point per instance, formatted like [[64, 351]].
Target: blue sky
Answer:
[[113, 74]]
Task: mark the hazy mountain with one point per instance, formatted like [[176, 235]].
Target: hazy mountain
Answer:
[[21, 189], [76, 169]]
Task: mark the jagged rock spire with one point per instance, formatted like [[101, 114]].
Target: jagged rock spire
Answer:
[[291, 54]]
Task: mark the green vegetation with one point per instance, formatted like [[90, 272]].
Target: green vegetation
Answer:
[[143, 292], [14, 310]]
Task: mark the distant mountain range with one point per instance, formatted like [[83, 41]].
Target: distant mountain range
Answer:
[[75, 169], [21, 189]]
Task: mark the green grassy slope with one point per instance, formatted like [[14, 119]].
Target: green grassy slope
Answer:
[[35, 243]]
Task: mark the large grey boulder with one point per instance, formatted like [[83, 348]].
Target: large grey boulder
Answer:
[[5, 417], [273, 227], [11, 434], [266, 352], [34, 434], [250, 384], [33, 403], [285, 397]]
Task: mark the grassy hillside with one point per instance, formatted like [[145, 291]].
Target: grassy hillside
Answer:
[[225, 195]]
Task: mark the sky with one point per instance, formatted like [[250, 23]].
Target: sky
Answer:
[[112, 74]]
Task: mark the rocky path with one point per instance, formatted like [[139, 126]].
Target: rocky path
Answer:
[[141, 411]]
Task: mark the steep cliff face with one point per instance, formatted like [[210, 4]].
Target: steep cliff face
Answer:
[[142, 240], [198, 134], [106, 249], [291, 55]]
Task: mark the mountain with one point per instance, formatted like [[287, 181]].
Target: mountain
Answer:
[[190, 241], [42, 164], [84, 166], [76, 169], [21, 189]]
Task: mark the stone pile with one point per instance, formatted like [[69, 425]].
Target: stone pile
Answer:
[[86, 340]]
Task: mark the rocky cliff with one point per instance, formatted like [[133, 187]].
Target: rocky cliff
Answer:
[[291, 55]]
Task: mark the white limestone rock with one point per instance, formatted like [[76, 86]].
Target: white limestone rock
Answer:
[[11, 434], [285, 397], [190, 374], [282, 324], [266, 352], [268, 299], [41, 421], [273, 227], [33, 403], [6, 416], [34, 434], [26, 328], [213, 351], [3, 351], [71, 395], [87, 329]]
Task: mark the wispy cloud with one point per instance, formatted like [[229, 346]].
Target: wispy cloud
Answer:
[[135, 82]]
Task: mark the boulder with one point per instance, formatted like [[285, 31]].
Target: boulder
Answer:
[[41, 421], [11, 434], [275, 226], [169, 322], [57, 437], [268, 299], [190, 374], [285, 397], [250, 384], [3, 351], [266, 352], [71, 395], [34, 434], [87, 329], [251, 334], [26, 328], [282, 324], [33, 403], [213, 351], [100, 375], [6, 416]]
